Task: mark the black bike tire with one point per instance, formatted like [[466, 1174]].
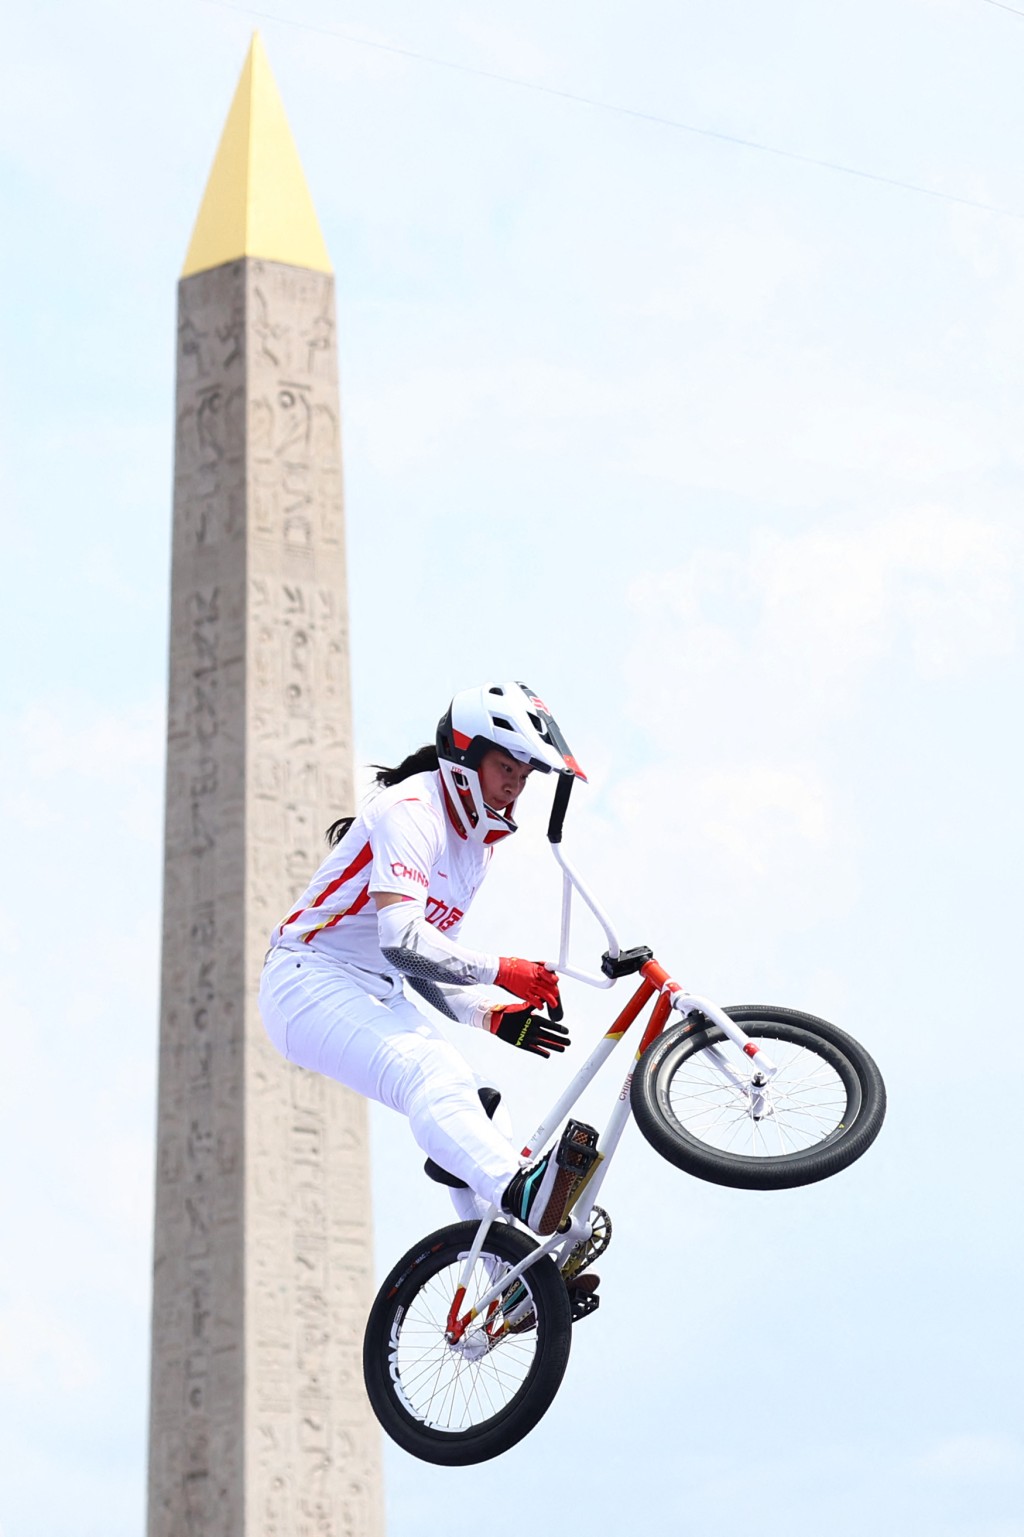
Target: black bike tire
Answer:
[[650, 1097], [553, 1332]]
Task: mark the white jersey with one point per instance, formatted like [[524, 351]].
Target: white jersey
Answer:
[[402, 841]]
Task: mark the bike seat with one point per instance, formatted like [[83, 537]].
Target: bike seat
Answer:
[[490, 1099]]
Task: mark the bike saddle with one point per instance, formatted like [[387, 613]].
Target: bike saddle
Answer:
[[490, 1099]]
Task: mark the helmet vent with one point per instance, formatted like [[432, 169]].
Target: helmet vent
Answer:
[[495, 690], [499, 720]]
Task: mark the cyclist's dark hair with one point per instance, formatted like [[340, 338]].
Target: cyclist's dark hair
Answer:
[[418, 762]]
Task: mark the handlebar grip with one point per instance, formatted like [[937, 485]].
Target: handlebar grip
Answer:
[[563, 789]]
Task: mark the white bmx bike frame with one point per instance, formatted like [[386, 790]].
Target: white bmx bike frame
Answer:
[[669, 996]]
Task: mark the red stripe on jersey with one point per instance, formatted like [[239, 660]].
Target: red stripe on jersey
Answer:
[[349, 912], [357, 906], [361, 860]]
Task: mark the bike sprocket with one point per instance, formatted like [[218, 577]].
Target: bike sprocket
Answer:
[[580, 1257], [591, 1248]]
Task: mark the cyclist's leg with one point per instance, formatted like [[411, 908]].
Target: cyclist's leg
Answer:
[[469, 1207], [320, 1018]]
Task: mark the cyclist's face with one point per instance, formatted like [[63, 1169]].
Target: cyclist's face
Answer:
[[502, 778]]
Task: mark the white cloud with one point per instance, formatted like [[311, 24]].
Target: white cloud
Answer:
[[790, 629], [509, 49], [727, 273], [527, 402], [71, 767], [977, 1456], [54, 741], [40, 1352], [757, 672]]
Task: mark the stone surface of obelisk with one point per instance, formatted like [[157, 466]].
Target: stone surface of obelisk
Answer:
[[262, 1256]]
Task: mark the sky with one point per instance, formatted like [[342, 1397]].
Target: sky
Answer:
[[716, 444]]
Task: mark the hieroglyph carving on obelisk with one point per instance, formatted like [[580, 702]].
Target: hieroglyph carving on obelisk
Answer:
[[262, 1265]]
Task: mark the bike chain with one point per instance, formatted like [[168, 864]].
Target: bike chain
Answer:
[[583, 1255]]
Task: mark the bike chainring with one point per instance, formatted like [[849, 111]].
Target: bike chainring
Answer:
[[580, 1257], [587, 1252]]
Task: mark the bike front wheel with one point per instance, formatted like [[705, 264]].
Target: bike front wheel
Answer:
[[467, 1402], [696, 1100]]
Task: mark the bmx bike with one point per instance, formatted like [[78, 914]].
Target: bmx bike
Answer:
[[468, 1339]]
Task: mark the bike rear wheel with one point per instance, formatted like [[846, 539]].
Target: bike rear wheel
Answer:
[[819, 1114], [464, 1403]]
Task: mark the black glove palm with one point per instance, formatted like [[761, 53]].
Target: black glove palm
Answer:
[[523, 1027]]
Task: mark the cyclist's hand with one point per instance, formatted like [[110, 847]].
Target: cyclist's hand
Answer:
[[529, 1031], [531, 981]]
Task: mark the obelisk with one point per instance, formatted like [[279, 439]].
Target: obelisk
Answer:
[[262, 1257]]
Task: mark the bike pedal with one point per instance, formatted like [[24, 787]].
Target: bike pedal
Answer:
[[582, 1303], [577, 1151]]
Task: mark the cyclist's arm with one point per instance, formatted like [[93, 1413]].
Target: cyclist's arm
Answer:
[[440, 969], [418, 949]]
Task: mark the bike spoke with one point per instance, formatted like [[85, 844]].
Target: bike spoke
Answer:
[[445, 1385], [804, 1102]]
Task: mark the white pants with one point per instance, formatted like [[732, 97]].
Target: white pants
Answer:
[[318, 1016]]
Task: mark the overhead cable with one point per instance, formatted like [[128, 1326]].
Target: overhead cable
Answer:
[[633, 112], [1001, 6]]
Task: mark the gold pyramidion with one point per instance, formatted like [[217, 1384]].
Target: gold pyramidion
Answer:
[[256, 201]]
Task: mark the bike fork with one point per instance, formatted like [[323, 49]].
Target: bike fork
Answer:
[[691, 1003]]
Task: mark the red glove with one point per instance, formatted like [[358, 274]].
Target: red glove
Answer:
[[531, 981]]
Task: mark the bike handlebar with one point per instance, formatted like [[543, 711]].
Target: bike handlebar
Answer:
[[563, 789]]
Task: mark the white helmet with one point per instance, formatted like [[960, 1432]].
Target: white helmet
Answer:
[[505, 715]]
